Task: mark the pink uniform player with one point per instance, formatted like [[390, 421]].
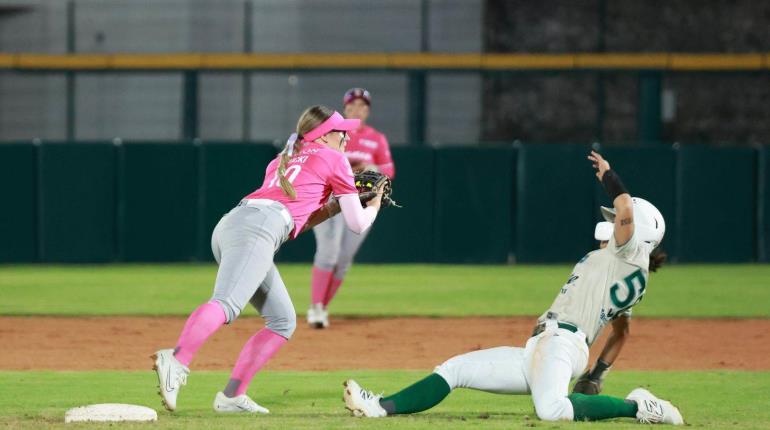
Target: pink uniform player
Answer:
[[336, 245], [293, 198]]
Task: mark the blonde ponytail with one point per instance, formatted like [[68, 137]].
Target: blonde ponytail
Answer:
[[310, 119], [292, 147]]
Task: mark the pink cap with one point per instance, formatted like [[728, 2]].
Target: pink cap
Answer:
[[357, 93], [335, 122]]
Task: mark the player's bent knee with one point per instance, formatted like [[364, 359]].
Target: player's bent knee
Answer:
[[345, 260], [283, 325], [325, 261], [342, 268], [324, 265], [232, 310], [553, 409], [450, 371], [326, 256]]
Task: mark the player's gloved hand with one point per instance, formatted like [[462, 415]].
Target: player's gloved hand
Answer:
[[591, 381], [366, 196], [369, 183], [586, 385]]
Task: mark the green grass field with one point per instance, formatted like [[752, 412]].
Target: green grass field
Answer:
[[33, 399], [691, 291], [312, 400]]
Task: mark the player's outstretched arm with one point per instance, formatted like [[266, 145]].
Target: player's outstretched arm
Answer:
[[621, 200], [325, 212], [331, 209], [618, 337], [359, 219]]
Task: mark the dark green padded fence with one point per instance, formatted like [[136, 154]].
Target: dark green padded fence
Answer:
[[77, 202], [474, 188], [530, 203], [554, 203], [717, 196], [159, 210], [18, 212]]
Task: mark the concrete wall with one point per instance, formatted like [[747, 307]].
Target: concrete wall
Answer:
[[564, 107], [148, 105]]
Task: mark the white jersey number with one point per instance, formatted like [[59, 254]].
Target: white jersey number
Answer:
[[291, 174]]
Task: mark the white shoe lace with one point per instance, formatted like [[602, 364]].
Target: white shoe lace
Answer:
[[244, 403], [372, 402], [653, 414], [370, 396], [181, 378]]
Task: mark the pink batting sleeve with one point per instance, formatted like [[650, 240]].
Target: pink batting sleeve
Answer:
[[357, 218], [383, 159]]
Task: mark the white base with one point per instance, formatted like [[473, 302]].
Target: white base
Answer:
[[110, 412]]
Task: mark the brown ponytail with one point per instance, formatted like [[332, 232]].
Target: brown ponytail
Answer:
[[310, 119], [657, 258]]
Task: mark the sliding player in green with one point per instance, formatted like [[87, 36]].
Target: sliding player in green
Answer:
[[602, 288]]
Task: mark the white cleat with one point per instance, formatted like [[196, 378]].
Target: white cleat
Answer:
[[238, 404], [652, 410], [171, 376], [360, 402], [317, 316]]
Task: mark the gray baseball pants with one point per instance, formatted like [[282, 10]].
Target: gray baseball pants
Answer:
[[244, 243], [336, 245]]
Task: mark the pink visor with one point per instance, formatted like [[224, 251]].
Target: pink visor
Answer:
[[335, 122]]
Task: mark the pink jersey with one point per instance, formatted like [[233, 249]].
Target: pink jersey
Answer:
[[316, 171], [369, 146]]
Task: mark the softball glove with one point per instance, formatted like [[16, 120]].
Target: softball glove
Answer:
[[586, 385], [368, 181]]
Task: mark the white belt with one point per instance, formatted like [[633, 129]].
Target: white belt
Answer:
[[253, 203]]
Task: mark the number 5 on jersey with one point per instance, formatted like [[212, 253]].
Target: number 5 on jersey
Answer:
[[291, 175], [628, 293]]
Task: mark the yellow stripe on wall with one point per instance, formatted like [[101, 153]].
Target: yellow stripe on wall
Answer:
[[717, 62], [528, 61], [622, 61], [394, 61], [7, 61]]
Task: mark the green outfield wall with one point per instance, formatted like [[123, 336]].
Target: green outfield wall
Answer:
[[157, 202], [77, 202], [18, 213]]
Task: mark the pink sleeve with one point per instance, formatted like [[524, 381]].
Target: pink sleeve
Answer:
[[341, 178], [383, 159], [357, 218]]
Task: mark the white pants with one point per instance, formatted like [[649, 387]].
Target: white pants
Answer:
[[544, 368]]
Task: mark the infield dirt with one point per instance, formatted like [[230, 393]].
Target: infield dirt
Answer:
[[124, 343]]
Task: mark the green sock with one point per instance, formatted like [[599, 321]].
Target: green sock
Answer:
[[421, 395], [592, 408]]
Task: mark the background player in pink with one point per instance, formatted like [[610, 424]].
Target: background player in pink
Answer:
[[294, 197], [336, 246]]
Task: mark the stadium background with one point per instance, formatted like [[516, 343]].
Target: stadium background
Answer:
[[664, 109], [128, 127]]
